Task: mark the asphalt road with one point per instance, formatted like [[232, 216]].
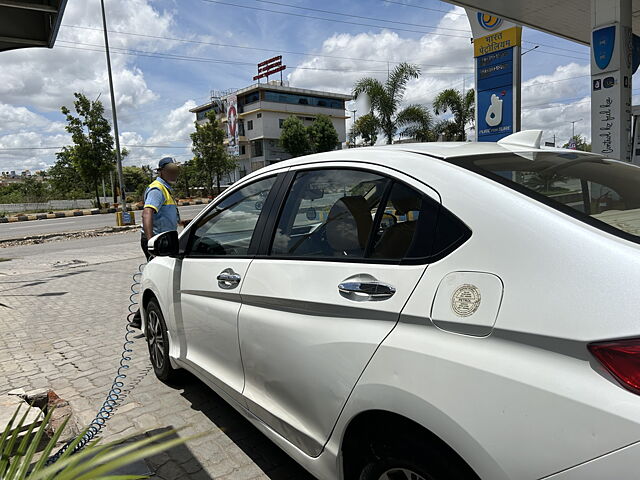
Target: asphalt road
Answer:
[[73, 224]]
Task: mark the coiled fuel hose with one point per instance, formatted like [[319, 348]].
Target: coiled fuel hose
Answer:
[[116, 393]]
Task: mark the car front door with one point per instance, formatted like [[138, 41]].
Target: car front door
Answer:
[[217, 256], [331, 288]]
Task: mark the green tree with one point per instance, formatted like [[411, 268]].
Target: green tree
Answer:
[[581, 143], [367, 128], [136, 180], [461, 106], [92, 153], [65, 179], [295, 137], [323, 136], [188, 178], [418, 123], [33, 190], [386, 99], [210, 155]]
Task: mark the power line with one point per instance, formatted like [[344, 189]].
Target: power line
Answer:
[[363, 24], [464, 14], [170, 56], [60, 147], [300, 15], [424, 8], [271, 50], [466, 30]]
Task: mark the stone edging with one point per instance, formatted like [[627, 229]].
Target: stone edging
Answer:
[[93, 211]]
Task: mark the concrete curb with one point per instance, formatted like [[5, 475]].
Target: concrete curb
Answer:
[[93, 211], [45, 236]]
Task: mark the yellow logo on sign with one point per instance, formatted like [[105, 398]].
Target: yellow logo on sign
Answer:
[[494, 42]]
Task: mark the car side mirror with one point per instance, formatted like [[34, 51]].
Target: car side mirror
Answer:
[[164, 245]]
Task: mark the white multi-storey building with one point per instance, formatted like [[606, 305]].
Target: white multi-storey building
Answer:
[[263, 108]]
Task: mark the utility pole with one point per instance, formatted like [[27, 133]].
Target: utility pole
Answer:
[[113, 188], [573, 128], [123, 195]]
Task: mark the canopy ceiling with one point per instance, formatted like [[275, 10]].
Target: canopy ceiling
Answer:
[[570, 19], [32, 23]]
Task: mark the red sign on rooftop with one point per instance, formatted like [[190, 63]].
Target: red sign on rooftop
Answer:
[[269, 67]]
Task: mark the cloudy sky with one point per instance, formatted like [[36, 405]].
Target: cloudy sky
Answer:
[[169, 54]]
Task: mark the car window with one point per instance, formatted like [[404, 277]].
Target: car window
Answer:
[[352, 214], [602, 192], [329, 213], [397, 227], [227, 229]]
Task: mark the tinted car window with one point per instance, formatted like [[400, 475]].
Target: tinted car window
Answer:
[[227, 228], [329, 213], [352, 214], [602, 192], [397, 227]]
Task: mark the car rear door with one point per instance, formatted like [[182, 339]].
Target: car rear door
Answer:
[[219, 250], [331, 288]]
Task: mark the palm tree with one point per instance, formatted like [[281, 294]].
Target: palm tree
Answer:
[[386, 99], [462, 106]]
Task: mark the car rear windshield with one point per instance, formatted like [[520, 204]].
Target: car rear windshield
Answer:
[[603, 193]]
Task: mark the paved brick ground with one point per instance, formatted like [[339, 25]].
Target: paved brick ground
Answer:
[[63, 329]]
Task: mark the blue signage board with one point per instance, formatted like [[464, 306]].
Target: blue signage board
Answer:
[[602, 43], [495, 90]]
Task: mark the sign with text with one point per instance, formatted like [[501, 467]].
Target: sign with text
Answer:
[[611, 66], [497, 41], [269, 67], [495, 103], [496, 48]]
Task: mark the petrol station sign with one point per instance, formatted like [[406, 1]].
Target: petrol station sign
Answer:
[[496, 48]]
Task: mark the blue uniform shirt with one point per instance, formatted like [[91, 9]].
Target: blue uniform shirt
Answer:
[[158, 196]]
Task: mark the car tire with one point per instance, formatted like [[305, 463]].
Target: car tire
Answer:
[[158, 342], [413, 460]]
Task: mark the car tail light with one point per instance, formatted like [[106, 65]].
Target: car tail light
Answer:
[[622, 359]]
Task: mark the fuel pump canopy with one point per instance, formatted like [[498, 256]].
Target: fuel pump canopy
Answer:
[[33, 23]]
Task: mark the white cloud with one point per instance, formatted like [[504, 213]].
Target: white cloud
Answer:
[[443, 59], [35, 83], [566, 81]]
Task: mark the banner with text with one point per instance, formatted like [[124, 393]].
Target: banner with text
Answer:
[[496, 48]]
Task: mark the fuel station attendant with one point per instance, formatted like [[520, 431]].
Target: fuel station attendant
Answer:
[[160, 212]]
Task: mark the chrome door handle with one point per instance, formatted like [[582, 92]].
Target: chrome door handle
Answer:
[[228, 279], [366, 290]]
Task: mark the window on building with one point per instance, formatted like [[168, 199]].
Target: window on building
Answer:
[[250, 125], [303, 100], [309, 119], [251, 98], [280, 122], [259, 115], [243, 150], [257, 149], [201, 115]]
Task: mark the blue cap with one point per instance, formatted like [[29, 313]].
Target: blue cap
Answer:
[[166, 161]]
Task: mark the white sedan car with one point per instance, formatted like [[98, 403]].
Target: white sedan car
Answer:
[[418, 311]]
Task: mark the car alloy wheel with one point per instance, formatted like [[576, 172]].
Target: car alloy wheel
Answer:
[[401, 474], [156, 340]]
